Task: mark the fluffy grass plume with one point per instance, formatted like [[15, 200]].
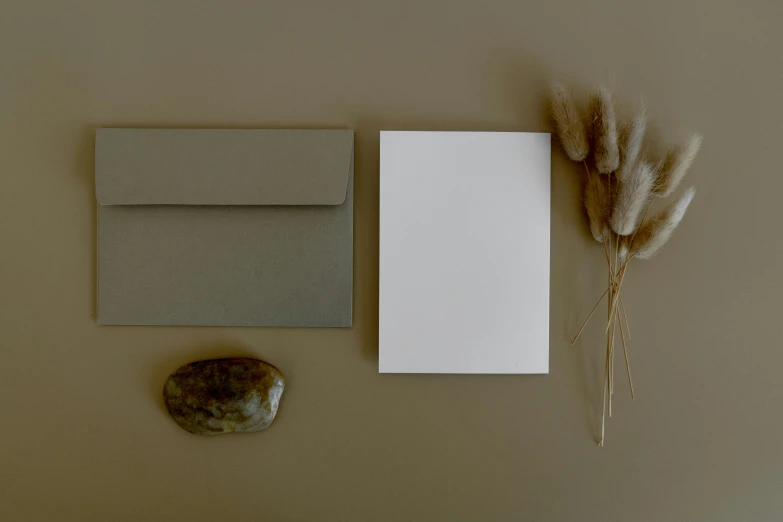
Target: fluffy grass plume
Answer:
[[597, 205], [630, 143], [654, 233], [676, 164], [569, 124], [604, 131], [631, 198], [618, 192]]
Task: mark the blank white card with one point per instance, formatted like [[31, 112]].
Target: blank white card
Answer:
[[464, 252]]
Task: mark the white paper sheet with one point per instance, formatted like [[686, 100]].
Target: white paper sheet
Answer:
[[464, 252]]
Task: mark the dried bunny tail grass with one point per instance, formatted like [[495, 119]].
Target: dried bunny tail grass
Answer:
[[632, 197], [596, 200], [569, 124], [654, 233], [676, 164], [631, 141], [604, 131]]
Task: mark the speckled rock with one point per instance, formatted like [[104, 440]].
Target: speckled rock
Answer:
[[224, 395]]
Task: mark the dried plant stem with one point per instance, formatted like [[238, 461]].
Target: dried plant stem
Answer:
[[589, 316], [603, 402], [609, 347], [606, 251], [611, 365], [613, 302], [599, 300], [595, 307], [625, 316], [625, 264], [627, 364], [607, 364], [616, 253], [612, 274], [611, 371], [616, 297]]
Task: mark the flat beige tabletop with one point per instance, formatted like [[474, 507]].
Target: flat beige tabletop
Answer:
[[85, 436]]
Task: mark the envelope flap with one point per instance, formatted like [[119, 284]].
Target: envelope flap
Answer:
[[222, 166]]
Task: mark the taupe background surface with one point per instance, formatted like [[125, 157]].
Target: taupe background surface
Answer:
[[84, 434]]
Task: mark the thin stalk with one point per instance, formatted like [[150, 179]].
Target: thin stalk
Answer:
[[613, 304], [611, 365], [600, 298], [603, 403], [589, 316], [627, 364], [607, 364], [609, 319], [625, 316], [616, 297]]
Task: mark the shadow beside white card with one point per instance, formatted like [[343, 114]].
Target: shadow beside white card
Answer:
[[464, 252]]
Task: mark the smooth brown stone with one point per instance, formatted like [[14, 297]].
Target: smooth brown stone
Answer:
[[224, 395]]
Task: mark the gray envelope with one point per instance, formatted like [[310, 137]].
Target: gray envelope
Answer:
[[224, 227]]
